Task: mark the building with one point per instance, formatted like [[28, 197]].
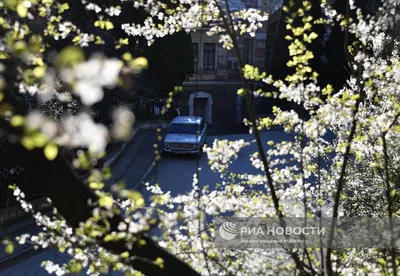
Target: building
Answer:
[[212, 91], [272, 30], [264, 106]]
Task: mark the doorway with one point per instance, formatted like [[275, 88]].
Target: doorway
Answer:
[[200, 104], [200, 107]]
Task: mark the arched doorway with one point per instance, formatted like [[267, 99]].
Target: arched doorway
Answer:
[[200, 104]]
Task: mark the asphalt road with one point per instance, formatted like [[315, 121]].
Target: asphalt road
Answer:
[[174, 173]]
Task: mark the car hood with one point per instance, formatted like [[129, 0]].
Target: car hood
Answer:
[[182, 138]]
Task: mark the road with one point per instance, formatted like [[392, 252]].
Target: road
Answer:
[[174, 174]]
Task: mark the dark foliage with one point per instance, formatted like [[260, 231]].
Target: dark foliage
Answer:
[[170, 58], [330, 59]]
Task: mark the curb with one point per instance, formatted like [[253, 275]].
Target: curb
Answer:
[[113, 159], [15, 213], [20, 256], [150, 170], [148, 173]]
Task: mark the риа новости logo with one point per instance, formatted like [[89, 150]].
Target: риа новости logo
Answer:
[[227, 230]]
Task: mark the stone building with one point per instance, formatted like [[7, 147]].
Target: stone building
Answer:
[[212, 91]]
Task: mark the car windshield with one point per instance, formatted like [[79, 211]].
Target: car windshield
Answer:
[[184, 128]]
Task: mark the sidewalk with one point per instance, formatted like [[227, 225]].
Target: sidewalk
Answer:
[[20, 252], [137, 159]]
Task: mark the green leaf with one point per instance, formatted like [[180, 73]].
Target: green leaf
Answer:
[[140, 63], [63, 7], [9, 248], [51, 151], [17, 120], [98, 40], [108, 238], [313, 36], [96, 185], [39, 71], [106, 201], [107, 173], [76, 39], [134, 195], [241, 92], [355, 97], [35, 44], [124, 255], [320, 202], [75, 267], [142, 242], [267, 121], [22, 10], [127, 57], [118, 266], [28, 143], [123, 41], [159, 262], [139, 202], [381, 261], [69, 56], [109, 25]]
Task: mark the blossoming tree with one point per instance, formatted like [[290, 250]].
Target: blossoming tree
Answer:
[[341, 160]]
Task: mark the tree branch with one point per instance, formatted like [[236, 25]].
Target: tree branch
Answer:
[[57, 180]]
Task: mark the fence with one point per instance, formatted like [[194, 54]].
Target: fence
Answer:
[[12, 174], [150, 108]]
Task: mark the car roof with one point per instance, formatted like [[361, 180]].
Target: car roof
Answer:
[[187, 120]]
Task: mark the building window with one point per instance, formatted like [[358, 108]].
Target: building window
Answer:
[[209, 56], [248, 51], [268, 55], [196, 56], [268, 50]]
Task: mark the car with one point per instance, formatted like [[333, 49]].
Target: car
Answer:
[[185, 135]]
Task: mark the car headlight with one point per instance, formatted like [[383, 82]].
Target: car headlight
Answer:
[[195, 146], [167, 145]]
